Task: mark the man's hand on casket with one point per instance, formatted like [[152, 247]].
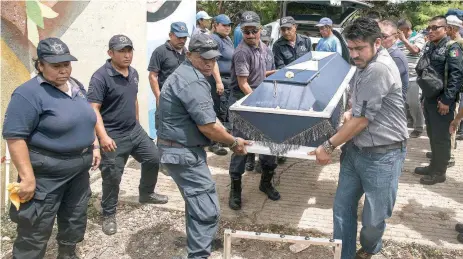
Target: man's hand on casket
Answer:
[[240, 147], [322, 157]]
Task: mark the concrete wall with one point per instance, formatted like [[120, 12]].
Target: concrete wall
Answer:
[[85, 26]]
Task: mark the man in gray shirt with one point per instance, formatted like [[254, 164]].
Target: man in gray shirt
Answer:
[[375, 130], [389, 32]]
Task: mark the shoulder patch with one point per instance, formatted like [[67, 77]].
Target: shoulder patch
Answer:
[[454, 53]]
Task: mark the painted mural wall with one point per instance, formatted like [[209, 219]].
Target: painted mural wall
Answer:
[[160, 14]]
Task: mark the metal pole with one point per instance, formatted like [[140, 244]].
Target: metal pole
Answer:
[[227, 244]]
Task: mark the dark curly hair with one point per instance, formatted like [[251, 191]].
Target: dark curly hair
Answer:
[[364, 29]]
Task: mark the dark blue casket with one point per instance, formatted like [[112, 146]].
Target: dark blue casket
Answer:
[[297, 108]]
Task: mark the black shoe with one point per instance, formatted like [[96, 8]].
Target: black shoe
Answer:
[[410, 124], [451, 162], [432, 179], [250, 163], [109, 226], [234, 199], [423, 170], [459, 227], [281, 159], [217, 149], [153, 198], [267, 187], [429, 155], [67, 252], [459, 136], [460, 238], [416, 134]]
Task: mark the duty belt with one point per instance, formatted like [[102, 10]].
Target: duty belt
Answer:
[[61, 154], [171, 143], [382, 149]]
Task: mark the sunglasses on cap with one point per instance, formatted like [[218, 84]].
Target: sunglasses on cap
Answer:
[[253, 31], [434, 27]]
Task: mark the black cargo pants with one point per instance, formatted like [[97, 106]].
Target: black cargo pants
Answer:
[[139, 145], [437, 127], [63, 190]]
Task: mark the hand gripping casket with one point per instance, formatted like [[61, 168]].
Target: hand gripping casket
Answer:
[[297, 108]]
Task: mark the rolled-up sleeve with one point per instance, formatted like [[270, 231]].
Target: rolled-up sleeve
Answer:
[[241, 63], [21, 118], [197, 100], [96, 90], [372, 87]]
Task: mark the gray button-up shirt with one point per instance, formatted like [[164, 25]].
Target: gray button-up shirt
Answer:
[[377, 95], [185, 103]]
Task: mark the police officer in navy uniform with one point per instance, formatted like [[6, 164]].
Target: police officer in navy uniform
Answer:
[[113, 94], [188, 124], [50, 130], [291, 45]]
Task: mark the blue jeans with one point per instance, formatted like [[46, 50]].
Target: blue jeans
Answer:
[[376, 175]]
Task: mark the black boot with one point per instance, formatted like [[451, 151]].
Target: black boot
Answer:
[[425, 170], [432, 179], [67, 252], [266, 185], [234, 200]]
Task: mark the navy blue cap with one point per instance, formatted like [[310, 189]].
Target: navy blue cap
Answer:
[[325, 21], [179, 29], [223, 19], [53, 51]]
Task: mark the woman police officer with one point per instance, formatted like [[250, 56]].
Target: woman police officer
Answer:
[[49, 127]]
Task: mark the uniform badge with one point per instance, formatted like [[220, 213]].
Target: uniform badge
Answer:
[[454, 53], [57, 48], [209, 42], [441, 51], [284, 21], [248, 17], [182, 28], [80, 94], [303, 48], [135, 80], [123, 39]]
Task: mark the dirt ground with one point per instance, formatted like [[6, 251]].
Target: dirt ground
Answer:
[[152, 232]]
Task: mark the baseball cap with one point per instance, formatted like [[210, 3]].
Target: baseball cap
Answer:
[[223, 19], [325, 21], [202, 15], [249, 18], [265, 34], [179, 29], [453, 20], [287, 22], [53, 50], [205, 45], [118, 42]]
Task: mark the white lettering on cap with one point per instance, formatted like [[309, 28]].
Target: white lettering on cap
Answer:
[[182, 28], [248, 17], [284, 21], [123, 39], [209, 42], [57, 48]]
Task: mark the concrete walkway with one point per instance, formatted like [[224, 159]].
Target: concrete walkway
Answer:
[[423, 214]]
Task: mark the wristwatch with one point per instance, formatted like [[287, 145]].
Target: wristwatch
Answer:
[[328, 147], [235, 143]]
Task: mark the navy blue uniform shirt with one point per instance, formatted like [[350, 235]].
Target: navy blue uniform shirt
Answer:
[[185, 103], [164, 60], [50, 119], [117, 95], [285, 53], [226, 49]]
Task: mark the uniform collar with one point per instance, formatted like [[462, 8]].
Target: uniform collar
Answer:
[[113, 72], [76, 86]]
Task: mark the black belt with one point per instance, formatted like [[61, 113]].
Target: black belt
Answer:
[[171, 143], [225, 75], [382, 149], [61, 154]]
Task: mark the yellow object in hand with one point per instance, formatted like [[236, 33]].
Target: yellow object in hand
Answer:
[[13, 189]]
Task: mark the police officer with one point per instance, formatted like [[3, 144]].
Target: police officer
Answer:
[[440, 111], [188, 123], [375, 130], [291, 45], [167, 57], [113, 95], [248, 71], [50, 130]]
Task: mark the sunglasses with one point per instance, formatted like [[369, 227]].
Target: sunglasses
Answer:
[[247, 32], [434, 28]]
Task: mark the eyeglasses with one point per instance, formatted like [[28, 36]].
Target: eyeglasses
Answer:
[[434, 27], [247, 32]]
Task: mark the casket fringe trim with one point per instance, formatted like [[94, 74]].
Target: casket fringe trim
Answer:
[[319, 130]]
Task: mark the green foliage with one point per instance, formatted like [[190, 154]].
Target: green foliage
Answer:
[[267, 10]]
